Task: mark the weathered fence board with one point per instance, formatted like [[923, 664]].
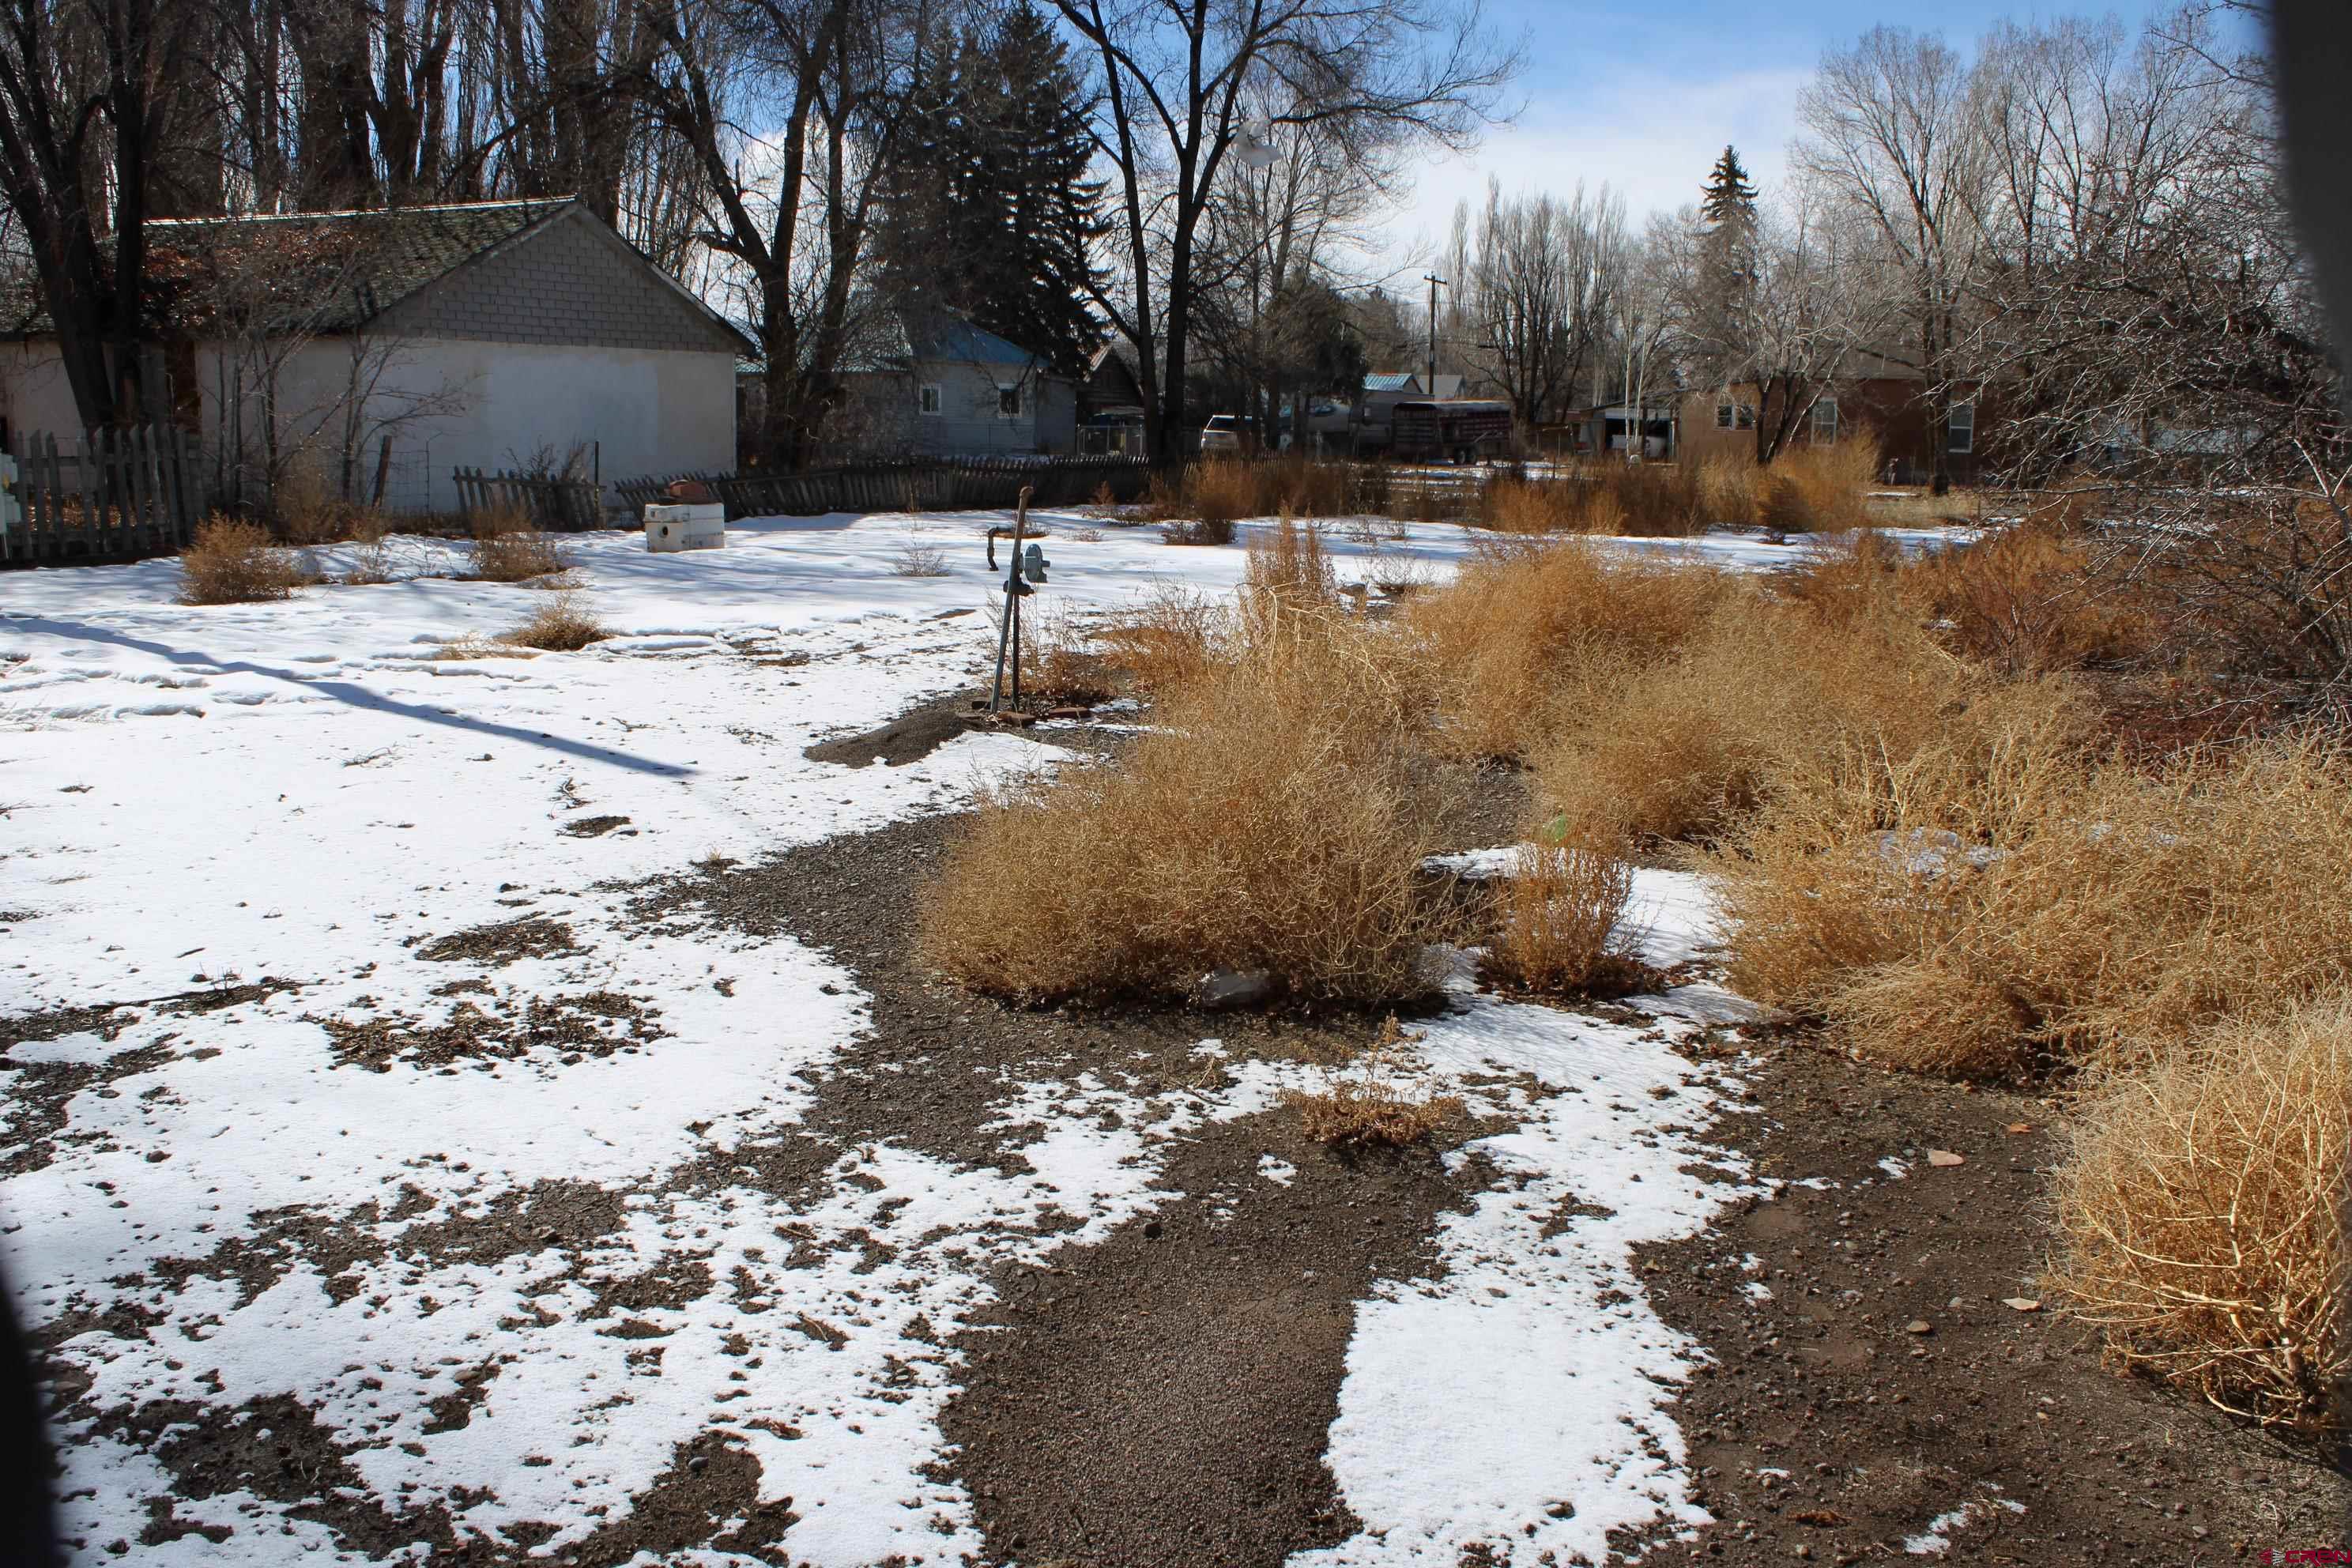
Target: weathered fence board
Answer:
[[559, 504], [123, 493], [911, 484]]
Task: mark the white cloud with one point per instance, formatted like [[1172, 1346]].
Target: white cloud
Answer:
[[1650, 136]]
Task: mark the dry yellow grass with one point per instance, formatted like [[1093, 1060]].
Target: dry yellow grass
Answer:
[[1273, 821], [2029, 600], [232, 563], [508, 548], [1288, 567], [1370, 1104], [1557, 919], [2202, 1212], [1999, 894], [1831, 482], [1523, 638], [563, 624], [1682, 746], [1168, 639]]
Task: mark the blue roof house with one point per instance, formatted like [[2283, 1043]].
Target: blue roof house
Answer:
[[936, 386]]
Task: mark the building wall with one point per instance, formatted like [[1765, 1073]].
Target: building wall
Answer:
[[446, 403], [34, 394], [882, 416], [571, 283]]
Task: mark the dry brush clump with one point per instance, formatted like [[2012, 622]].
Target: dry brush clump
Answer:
[[2202, 1216], [509, 548], [1524, 639], [1371, 1105], [1273, 821], [1289, 568], [1685, 743], [234, 562], [1557, 915], [2006, 902], [565, 623]]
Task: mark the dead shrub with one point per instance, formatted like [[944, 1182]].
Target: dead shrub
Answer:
[[1198, 530], [507, 548], [1168, 639], [1371, 1105], [1288, 567], [1272, 821], [1603, 497], [1681, 747], [233, 562], [371, 563], [2027, 601], [2202, 1219], [563, 624], [1526, 634], [1727, 488], [1786, 509], [1556, 922], [2001, 902], [913, 559], [1831, 481], [1511, 505], [1059, 664]]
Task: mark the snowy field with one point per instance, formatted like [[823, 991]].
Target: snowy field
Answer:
[[507, 1281]]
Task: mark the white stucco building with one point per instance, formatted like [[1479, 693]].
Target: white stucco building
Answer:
[[381, 351]]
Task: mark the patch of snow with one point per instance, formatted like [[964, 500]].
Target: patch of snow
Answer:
[[1893, 1167], [1532, 1372], [1280, 1171], [1936, 1539]]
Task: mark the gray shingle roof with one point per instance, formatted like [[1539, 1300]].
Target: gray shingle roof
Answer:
[[322, 272]]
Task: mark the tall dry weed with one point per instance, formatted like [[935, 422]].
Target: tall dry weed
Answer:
[[233, 562], [2204, 1215], [509, 548], [2001, 903], [1274, 820], [1528, 635], [1556, 919], [1289, 568]]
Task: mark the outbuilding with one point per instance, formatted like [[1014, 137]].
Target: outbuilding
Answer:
[[368, 355]]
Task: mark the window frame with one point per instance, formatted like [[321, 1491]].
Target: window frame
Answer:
[[1960, 427], [931, 400], [1008, 392], [1813, 420]]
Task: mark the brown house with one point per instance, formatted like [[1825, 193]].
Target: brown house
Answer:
[[1876, 393]]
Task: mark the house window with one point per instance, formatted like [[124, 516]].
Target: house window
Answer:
[[1824, 419], [927, 397], [1008, 401], [1960, 427], [1723, 416], [1735, 417]]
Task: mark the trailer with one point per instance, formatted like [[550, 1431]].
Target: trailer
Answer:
[[1454, 429]]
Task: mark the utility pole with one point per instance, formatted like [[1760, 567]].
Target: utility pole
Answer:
[[1435, 283]]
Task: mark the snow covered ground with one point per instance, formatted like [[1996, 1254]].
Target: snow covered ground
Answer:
[[405, 1131]]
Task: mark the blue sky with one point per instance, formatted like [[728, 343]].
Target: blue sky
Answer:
[[1644, 96]]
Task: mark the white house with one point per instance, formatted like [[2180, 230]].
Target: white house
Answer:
[[380, 351], [939, 386]]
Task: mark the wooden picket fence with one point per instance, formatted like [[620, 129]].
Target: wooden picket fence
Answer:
[[906, 484], [558, 505], [125, 492]]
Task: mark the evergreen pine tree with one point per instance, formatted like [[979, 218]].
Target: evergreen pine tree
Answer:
[[1727, 270], [1730, 198], [990, 215]]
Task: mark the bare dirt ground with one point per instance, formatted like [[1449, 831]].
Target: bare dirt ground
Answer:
[[1163, 1399]]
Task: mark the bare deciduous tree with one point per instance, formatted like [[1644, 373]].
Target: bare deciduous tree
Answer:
[[1541, 285], [1172, 76], [1895, 135]]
